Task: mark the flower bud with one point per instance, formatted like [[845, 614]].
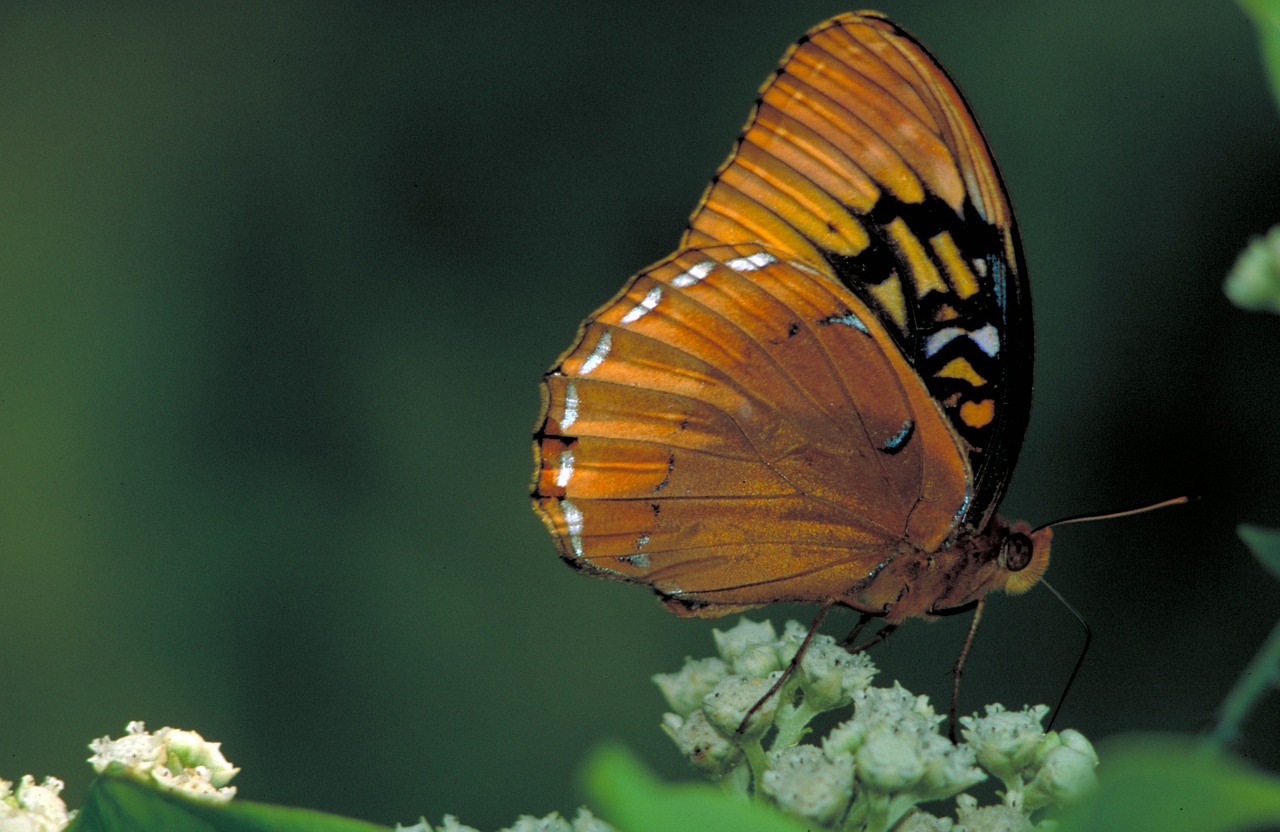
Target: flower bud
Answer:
[[829, 674], [888, 762], [685, 690], [1064, 778], [730, 701], [734, 642], [702, 743], [990, 818], [804, 782], [759, 660], [924, 822], [948, 769], [1005, 741], [31, 807], [171, 759]]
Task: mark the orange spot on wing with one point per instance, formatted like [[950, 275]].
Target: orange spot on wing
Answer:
[[978, 414], [962, 369]]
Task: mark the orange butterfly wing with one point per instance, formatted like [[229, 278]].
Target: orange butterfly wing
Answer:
[[794, 405], [732, 430], [863, 155]]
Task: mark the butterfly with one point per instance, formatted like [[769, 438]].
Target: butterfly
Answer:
[[821, 395]]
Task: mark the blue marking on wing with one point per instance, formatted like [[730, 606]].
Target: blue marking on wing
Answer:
[[847, 319], [898, 442], [998, 275]]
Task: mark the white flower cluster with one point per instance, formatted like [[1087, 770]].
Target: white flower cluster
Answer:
[[870, 771], [584, 821], [33, 807], [170, 759], [1037, 769]]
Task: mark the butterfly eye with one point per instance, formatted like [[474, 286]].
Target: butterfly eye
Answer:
[[1017, 552]]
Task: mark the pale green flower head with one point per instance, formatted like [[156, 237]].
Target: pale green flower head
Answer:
[[805, 782], [889, 762], [728, 703], [948, 770], [975, 818], [742, 643], [895, 707], [845, 738], [759, 660], [894, 710], [684, 691], [33, 807], [925, 822], [584, 822], [829, 674], [1005, 741], [170, 759], [894, 738], [1066, 763], [871, 771], [701, 742]]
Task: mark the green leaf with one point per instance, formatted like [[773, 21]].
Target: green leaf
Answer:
[[120, 805], [1265, 545], [1254, 280], [632, 799], [1266, 17], [1175, 784]]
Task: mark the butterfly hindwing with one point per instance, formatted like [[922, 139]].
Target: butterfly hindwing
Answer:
[[735, 428]]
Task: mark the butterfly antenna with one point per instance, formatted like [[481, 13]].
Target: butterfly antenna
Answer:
[[1084, 650], [1084, 518], [1088, 634]]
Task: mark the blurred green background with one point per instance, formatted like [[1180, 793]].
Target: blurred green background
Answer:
[[279, 282]]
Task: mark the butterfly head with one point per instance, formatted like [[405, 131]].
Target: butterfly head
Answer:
[[1024, 556]]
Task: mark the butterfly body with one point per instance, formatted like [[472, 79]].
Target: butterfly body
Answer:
[[821, 395]]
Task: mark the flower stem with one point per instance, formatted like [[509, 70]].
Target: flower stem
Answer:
[[758, 761], [791, 727]]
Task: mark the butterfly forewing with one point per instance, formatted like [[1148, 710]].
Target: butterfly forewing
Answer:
[[862, 155]]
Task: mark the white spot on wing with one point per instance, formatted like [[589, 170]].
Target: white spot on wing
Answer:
[[570, 406], [565, 471], [597, 355], [573, 519], [644, 306], [940, 339], [980, 267], [752, 262], [694, 274], [987, 339]]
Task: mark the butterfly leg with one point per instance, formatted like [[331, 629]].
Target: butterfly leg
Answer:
[[863, 618], [954, 711], [790, 669], [885, 632]]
